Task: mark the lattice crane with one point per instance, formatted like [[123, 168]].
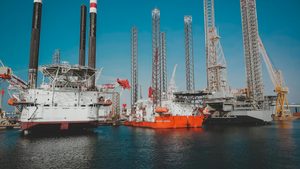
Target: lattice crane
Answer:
[[277, 79]]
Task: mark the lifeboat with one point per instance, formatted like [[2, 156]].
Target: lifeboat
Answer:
[[12, 101], [161, 110], [107, 102]]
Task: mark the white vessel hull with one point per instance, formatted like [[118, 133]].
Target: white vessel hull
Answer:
[[64, 108]]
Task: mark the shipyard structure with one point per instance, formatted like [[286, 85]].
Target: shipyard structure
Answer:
[[69, 97], [218, 102]]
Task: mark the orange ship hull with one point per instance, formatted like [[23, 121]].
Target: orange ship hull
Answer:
[[164, 122]]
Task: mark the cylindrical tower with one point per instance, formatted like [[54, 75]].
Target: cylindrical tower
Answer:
[[92, 40], [35, 43], [82, 35]]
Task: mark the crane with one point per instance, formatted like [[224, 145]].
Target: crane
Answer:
[[172, 84], [282, 107], [14, 81]]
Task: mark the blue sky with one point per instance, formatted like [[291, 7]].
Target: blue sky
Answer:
[[278, 27]]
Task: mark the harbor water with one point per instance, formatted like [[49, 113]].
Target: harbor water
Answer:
[[269, 147]]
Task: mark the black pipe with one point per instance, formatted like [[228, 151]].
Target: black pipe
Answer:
[[35, 43], [82, 35], [92, 40]]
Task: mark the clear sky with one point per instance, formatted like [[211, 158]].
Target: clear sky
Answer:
[[278, 27]]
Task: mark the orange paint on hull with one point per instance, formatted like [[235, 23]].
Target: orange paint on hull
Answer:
[[163, 122]]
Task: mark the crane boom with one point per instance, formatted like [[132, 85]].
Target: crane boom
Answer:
[[277, 79], [15, 82], [172, 84], [271, 70]]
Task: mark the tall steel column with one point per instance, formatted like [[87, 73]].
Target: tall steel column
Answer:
[[163, 55], [134, 66], [189, 53], [156, 60], [35, 43], [251, 51], [82, 35], [92, 40], [215, 59]]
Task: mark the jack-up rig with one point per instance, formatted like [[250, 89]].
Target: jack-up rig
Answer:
[[220, 103], [68, 97], [248, 105]]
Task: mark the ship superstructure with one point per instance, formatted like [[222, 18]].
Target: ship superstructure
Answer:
[[64, 100]]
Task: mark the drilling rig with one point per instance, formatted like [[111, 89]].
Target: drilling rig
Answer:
[[248, 106], [215, 59]]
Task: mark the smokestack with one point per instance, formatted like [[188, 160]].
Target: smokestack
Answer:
[[92, 39], [35, 43], [82, 35]]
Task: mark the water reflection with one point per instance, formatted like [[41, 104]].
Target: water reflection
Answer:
[[273, 146], [51, 151]]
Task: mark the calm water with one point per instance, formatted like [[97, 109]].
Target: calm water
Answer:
[[274, 146]]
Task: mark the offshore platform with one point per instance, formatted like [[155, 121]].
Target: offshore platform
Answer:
[[248, 105]]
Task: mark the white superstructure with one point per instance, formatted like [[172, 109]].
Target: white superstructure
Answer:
[[62, 99]]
